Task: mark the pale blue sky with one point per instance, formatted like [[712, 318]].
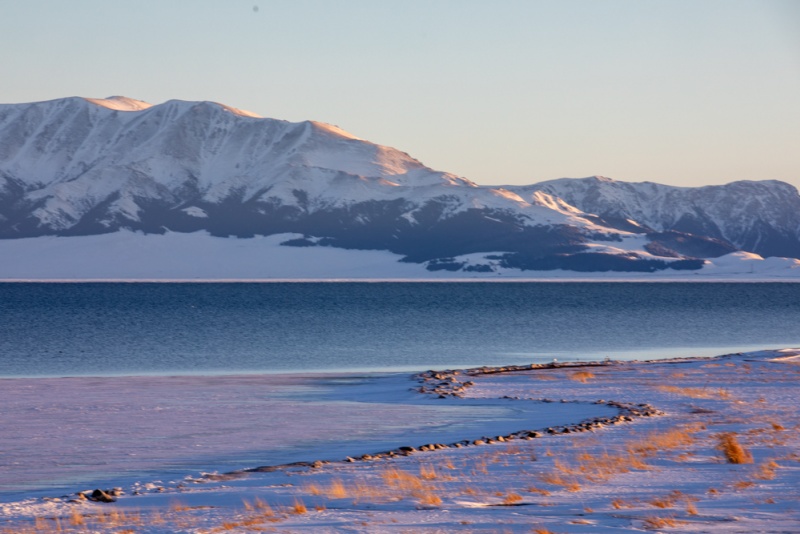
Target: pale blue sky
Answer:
[[685, 92]]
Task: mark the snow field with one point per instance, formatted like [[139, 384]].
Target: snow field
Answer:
[[665, 473], [130, 256]]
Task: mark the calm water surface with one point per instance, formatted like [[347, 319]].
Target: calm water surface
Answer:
[[186, 328]]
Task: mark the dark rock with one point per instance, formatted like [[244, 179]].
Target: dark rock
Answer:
[[99, 495]]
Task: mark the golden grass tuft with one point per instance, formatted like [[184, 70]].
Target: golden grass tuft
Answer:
[[601, 467], [655, 523], [671, 439], [732, 450], [618, 504], [581, 376], [427, 472], [298, 508], [555, 479], [512, 498], [662, 502], [405, 483], [697, 393], [672, 499], [78, 522], [429, 499], [538, 491], [76, 519], [766, 471], [337, 490]]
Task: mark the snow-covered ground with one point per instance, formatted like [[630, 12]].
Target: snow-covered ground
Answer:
[[667, 471], [198, 256]]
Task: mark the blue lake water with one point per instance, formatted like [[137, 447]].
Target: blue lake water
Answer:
[[107, 329]]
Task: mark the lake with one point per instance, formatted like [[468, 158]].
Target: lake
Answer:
[[121, 329]]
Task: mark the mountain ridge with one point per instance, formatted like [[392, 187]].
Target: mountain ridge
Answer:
[[79, 166]]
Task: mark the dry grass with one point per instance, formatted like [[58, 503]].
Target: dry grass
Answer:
[[78, 522], [732, 450], [673, 499], [427, 472], [258, 514], [259, 506], [402, 484], [655, 523], [656, 442], [581, 376], [589, 467], [298, 507], [697, 393], [337, 490], [618, 504], [512, 498], [77, 519], [538, 491], [556, 479], [599, 468], [766, 471], [429, 499]]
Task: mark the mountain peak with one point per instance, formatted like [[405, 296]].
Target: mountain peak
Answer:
[[334, 130], [120, 103]]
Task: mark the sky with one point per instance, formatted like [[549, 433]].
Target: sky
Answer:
[[681, 92]]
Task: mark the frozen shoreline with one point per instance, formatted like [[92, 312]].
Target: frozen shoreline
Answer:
[[93, 431], [750, 395]]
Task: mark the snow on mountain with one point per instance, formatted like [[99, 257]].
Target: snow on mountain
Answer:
[[83, 166], [762, 217], [121, 103]]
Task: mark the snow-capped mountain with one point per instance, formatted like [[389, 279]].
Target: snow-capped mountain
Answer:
[[761, 217], [79, 166]]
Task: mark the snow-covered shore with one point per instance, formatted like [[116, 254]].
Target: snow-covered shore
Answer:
[[659, 472], [131, 256]]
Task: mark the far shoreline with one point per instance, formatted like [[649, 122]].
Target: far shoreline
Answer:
[[577, 280]]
